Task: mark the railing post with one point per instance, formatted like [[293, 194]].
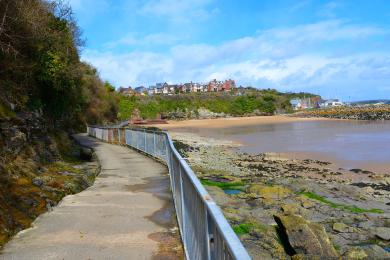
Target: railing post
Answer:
[[137, 138], [207, 235], [154, 144], [183, 212], [145, 141]]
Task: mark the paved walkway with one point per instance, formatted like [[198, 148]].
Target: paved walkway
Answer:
[[109, 220]]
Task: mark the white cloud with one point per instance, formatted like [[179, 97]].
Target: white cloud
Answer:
[[129, 69], [286, 58]]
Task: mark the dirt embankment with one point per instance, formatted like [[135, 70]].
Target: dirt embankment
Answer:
[[37, 169]]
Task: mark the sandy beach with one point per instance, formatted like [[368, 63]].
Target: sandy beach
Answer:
[[234, 121], [347, 143]]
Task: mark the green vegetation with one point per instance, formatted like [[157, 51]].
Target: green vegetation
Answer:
[[46, 92], [40, 67], [242, 228], [237, 185], [312, 195], [252, 101], [247, 227]]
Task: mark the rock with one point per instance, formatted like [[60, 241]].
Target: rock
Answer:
[[355, 253], [340, 227], [290, 208], [270, 192], [376, 252], [86, 153], [37, 182], [267, 241], [304, 237], [298, 257], [383, 233], [366, 224], [307, 204]]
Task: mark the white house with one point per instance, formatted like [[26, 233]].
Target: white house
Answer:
[[332, 103], [296, 104]]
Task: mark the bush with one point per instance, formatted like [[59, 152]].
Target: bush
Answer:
[[40, 68]]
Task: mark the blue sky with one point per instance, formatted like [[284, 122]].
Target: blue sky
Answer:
[[333, 48]]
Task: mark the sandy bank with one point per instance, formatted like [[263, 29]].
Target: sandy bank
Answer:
[[233, 121]]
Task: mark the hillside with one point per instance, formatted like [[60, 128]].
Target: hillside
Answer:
[[46, 93], [246, 102]]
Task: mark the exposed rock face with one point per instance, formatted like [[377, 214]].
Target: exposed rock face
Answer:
[[376, 252], [355, 253], [383, 233], [340, 227], [38, 168], [305, 237], [270, 192]]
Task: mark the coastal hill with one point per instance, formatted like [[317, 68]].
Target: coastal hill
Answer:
[[237, 102]]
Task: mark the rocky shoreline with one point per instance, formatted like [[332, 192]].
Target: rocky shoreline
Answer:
[[377, 112], [293, 209]]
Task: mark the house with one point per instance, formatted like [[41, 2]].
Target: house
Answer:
[[152, 90], [187, 87], [296, 104], [305, 103], [191, 87], [126, 91], [164, 88], [332, 103], [214, 86], [141, 90], [227, 85]]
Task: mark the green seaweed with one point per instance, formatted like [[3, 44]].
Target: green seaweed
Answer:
[[243, 228], [237, 185], [351, 208], [247, 227]]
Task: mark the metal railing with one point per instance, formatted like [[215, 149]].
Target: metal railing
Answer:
[[205, 232]]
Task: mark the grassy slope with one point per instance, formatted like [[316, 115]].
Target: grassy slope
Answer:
[[251, 101]]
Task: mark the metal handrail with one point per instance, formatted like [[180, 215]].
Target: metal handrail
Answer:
[[204, 230]]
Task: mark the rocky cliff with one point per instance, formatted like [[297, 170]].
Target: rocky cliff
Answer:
[[38, 167]]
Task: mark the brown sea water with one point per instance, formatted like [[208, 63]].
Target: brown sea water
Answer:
[[348, 144]]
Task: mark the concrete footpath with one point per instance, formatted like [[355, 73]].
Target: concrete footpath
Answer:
[[113, 219]]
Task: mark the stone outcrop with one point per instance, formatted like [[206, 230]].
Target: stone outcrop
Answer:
[[383, 233], [38, 167], [304, 237], [374, 112]]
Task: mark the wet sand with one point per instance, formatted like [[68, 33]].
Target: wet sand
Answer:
[[348, 144], [233, 122]]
